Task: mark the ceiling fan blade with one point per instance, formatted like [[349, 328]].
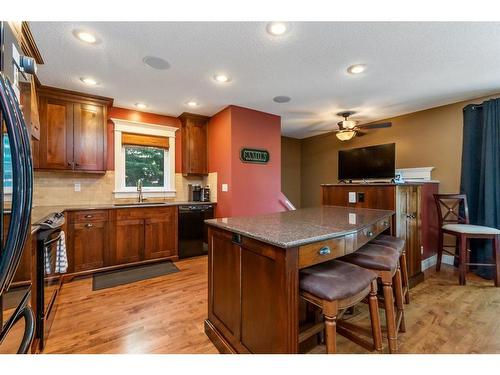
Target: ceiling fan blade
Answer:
[[359, 133], [322, 131], [379, 125]]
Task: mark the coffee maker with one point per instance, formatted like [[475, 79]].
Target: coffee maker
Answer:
[[194, 193]]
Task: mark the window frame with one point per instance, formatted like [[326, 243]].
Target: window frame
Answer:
[[125, 126]]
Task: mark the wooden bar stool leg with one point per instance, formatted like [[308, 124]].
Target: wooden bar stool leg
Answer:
[[375, 317], [398, 292], [462, 260], [404, 273], [390, 318], [439, 251], [330, 334], [496, 250]]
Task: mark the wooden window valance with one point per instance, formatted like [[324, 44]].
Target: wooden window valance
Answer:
[[132, 139]]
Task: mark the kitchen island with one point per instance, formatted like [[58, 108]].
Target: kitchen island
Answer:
[[253, 270]]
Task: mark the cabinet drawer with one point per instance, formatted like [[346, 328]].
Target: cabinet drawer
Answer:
[[144, 212], [319, 252], [365, 235], [89, 216]]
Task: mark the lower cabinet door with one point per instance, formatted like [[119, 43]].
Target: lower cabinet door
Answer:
[[89, 243], [129, 241], [160, 237]]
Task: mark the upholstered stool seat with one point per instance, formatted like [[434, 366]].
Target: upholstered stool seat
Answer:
[[395, 243], [374, 257], [333, 287], [470, 229], [398, 244], [335, 280]]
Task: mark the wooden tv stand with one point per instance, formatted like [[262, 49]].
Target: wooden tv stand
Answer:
[[415, 219]]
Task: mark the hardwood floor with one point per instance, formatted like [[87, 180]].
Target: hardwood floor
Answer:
[[165, 315]]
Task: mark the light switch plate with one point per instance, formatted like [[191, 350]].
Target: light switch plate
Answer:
[[352, 218], [225, 187], [78, 186], [352, 197]]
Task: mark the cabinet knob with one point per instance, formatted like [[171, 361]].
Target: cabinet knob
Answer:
[[325, 250], [370, 233], [89, 225], [385, 223]]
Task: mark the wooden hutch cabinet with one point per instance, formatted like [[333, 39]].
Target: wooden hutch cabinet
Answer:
[[194, 144], [415, 219], [72, 131]]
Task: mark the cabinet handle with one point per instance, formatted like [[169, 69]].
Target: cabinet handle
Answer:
[[89, 225], [88, 216], [325, 250]]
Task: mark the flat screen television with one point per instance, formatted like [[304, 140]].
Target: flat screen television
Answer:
[[373, 162]]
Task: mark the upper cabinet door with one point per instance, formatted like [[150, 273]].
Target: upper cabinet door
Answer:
[[88, 137], [56, 134], [194, 144]]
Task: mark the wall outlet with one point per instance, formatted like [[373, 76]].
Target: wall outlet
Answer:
[[78, 186], [352, 197], [225, 187]]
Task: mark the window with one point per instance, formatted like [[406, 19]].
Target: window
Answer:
[[144, 152], [146, 164]]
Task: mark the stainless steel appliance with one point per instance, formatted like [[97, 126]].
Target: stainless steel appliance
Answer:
[[17, 176], [48, 274], [205, 194], [193, 232], [194, 193]]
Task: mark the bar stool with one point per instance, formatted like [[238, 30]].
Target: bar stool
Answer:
[[451, 221], [397, 244], [385, 262], [333, 287]]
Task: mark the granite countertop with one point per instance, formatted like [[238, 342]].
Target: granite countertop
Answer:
[[303, 226], [39, 213], [383, 183]]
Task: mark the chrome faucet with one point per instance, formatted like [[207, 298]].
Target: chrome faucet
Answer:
[[139, 189]]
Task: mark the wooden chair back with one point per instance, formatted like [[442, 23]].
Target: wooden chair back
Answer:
[[452, 209]]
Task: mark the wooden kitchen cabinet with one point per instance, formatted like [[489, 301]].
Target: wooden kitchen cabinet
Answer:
[[160, 238], [129, 243], [72, 131], [87, 239], [29, 103], [194, 144], [415, 218]]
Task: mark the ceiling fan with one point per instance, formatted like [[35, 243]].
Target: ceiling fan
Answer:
[[347, 129]]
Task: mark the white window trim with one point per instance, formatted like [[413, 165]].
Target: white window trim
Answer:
[[125, 126]]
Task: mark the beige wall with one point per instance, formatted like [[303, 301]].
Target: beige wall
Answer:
[[58, 188], [290, 169], [429, 138]]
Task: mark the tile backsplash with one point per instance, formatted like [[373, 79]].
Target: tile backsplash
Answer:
[[58, 188]]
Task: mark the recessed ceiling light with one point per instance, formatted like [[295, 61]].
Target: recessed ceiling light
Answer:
[[276, 28], [222, 78], [141, 105], [282, 99], [85, 36], [192, 103], [156, 62], [88, 81], [356, 69]]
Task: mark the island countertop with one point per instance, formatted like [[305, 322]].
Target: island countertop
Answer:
[[302, 226]]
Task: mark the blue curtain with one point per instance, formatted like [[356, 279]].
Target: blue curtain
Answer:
[[481, 174]]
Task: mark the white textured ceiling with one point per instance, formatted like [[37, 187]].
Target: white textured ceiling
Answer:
[[411, 66]]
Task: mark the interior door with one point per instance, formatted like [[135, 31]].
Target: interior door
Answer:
[[56, 134], [88, 137]]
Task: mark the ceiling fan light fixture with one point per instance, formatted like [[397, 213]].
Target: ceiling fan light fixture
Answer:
[[349, 124], [345, 135]]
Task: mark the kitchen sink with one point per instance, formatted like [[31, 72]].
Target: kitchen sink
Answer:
[[140, 204]]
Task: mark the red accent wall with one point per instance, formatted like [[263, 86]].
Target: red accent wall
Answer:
[[147, 117], [253, 188]]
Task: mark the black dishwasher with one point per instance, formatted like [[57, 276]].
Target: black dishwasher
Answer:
[[193, 236]]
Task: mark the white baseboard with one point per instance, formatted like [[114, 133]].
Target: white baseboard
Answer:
[[431, 261]]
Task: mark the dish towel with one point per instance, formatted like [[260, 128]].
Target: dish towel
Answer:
[[61, 255]]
